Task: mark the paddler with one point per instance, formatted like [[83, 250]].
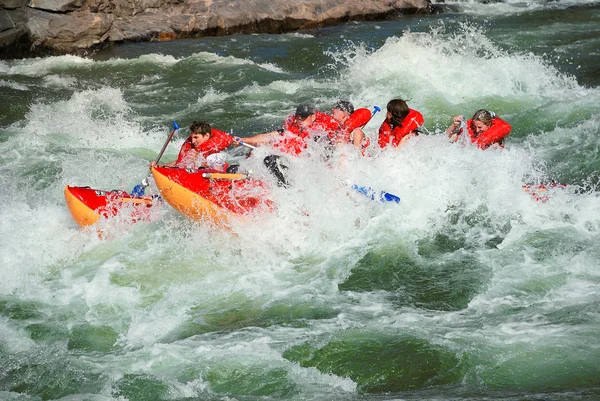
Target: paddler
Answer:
[[341, 112], [400, 124], [485, 129], [305, 124], [351, 122], [202, 142], [291, 138]]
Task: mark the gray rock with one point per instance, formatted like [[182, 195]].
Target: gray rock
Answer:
[[6, 22], [68, 33], [12, 4], [80, 26], [56, 5]]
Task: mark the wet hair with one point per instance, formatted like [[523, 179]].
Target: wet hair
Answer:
[[200, 127], [399, 110], [304, 111], [484, 116], [344, 105]]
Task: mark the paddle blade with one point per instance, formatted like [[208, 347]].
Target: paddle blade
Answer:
[[138, 190], [388, 197], [374, 195]]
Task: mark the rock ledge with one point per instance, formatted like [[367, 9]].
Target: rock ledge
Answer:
[[52, 27]]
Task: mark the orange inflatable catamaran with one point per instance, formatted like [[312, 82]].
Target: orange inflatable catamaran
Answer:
[[201, 195], [210, 195], [88, 205]]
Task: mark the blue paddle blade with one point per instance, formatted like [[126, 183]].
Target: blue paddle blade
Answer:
[[175, 126], [362, 190], [138, 190], [381, 196], [387, 197]]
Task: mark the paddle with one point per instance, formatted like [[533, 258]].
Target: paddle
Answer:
[[369, 192], [382, 196], [464, 131], [140, 189], [246, 145], [175, 129], [238, 140]]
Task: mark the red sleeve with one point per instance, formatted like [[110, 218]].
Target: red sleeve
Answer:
[[288, 124], [416, 119], [217, 142], [185, 147], [385, 132], [411, 122], [498, 130], [358, 119], [397, 136], [325, 123]]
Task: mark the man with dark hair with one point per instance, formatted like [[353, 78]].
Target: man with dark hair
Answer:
[[296, 124], [344, 105], [291, 139], [305, 110], [202, 142]]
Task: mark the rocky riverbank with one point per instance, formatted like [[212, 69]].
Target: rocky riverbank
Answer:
[[51, 27]]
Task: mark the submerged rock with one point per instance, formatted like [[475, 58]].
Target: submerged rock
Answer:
[[41, 27]]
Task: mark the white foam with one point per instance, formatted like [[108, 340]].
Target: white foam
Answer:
[[152, 58], [13, 85], [510, 7], [38, 67], [152, 280], [92, 119], [57, 81]]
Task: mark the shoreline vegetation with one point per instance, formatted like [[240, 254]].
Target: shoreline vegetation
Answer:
[[34, 28]]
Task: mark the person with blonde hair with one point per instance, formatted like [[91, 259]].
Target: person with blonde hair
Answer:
[[484, 129]]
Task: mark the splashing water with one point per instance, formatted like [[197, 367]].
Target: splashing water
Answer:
[[466, 289]]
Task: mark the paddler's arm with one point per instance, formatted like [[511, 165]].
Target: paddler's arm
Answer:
[[405, 138], [259, 139], [357, 137], [452, 131]]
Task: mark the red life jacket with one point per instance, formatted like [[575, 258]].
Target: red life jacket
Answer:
[[358, 119], [290, 143], [294, 138], [387, 135], [494, 134], [324, 125], [217, 142]]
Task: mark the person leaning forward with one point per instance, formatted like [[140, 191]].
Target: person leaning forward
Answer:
[[202, 142], [291, 139]]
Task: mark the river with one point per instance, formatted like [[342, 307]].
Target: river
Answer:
[[468, 289]]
